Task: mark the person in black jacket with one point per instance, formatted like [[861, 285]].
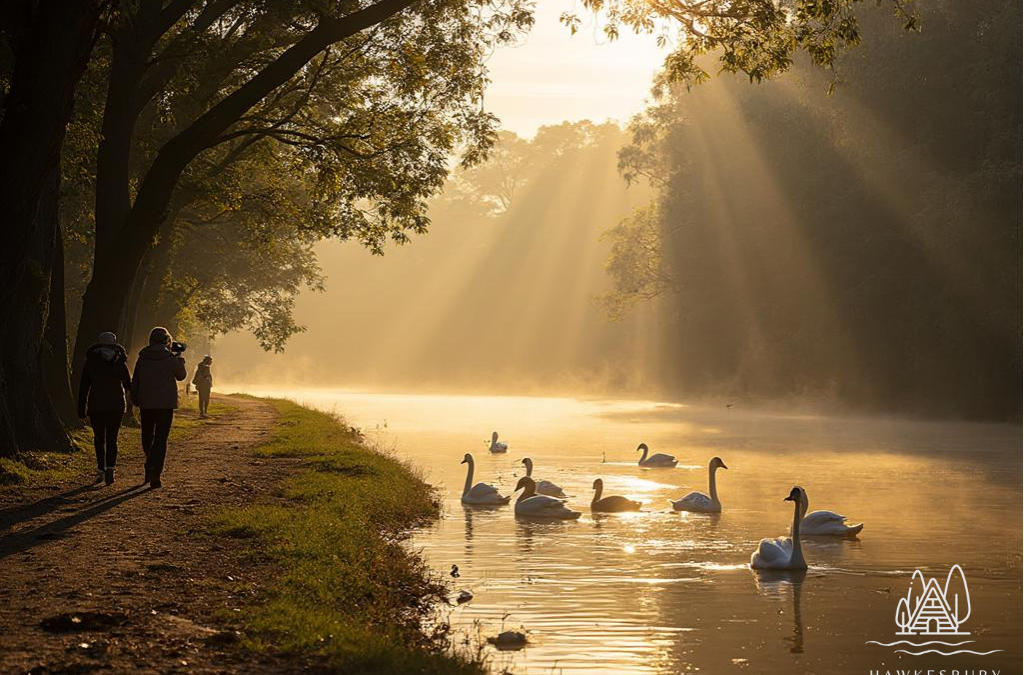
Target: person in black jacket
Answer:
[[103, 396]]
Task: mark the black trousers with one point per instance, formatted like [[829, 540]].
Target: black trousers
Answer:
[[156, 425], [105, 426]]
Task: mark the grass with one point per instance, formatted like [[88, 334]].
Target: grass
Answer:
[[347, 588], [38, 467]]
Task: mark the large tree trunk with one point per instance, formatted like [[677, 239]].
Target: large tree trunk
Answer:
[[50, 41], [53, 356]]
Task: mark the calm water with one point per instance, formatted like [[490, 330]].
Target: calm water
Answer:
[[663, 592]]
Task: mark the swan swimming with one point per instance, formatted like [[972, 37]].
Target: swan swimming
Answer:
[[698, 501], [784, 554], [612, 504], [481, 493], [495, 445], [828, 523], [544, 487], [541, 506], [655, 460]]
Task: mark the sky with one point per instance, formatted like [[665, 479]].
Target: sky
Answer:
[[552, 76]]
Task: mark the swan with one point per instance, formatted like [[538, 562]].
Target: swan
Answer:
[[541, 506], [613, 504], [481, 493], [698, 501], [655, 460], [784, 554], [828, 523], [544, 487], [495, 445]]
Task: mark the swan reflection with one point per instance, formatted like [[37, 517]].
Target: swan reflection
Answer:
[[780, 584]]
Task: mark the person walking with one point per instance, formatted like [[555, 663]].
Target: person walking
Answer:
[[203, 380], [158, 370], [104, 393]]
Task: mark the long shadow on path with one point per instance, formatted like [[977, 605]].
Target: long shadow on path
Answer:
[[55, 529]]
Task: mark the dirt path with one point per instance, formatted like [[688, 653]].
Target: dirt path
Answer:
[[123, 579]]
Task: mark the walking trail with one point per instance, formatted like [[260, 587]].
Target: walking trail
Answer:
[[125, 579]]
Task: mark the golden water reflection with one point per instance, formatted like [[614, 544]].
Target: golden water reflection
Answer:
[[667, 592]]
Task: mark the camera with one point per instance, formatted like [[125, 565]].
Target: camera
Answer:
[[178, 347]]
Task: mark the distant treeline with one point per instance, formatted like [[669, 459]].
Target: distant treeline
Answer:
[[863, 247]]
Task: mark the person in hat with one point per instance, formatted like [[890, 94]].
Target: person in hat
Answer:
[[203, 380], [155, 390], [103, 396]]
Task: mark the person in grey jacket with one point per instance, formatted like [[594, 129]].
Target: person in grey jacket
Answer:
[[155, 390]]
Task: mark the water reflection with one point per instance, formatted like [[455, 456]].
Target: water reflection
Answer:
[[781, 583], [662, 592]]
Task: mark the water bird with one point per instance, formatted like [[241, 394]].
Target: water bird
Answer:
[[455, 572], [829, 524], [495, 445], [463, 597], [612, 504], [534, 505], [698, 501], [655, 460], [784, 553], [480, 494], [544, 487]]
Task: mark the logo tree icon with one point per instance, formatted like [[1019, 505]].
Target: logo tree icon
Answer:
[[957, 597], [903, 614]]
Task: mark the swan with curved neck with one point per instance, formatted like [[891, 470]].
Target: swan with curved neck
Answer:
[[656, 460], [481, 493], [544, 487], [784, 553], [611, 504], [495, 445], [533, 505], [700, 502]]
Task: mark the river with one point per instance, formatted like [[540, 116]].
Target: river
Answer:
[[665, 592]]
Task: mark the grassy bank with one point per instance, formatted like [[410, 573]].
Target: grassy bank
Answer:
[[50, 468], [346, 587]]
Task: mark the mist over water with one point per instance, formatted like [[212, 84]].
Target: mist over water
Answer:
[[665, 592]]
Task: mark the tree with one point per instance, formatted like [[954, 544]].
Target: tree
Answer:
[[856, 249], [957, 596], [418, 67], [47, 45], [756, 37]]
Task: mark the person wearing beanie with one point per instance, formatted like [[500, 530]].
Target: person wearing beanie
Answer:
[[203, 380], [103, 396], [155, 390]]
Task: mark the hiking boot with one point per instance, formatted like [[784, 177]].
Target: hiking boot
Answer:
[[147, 478], [155, 483], [108, 476], [100, 475]]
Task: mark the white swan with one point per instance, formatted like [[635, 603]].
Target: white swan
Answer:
[[655, 460], [481, 493], [698, 501], [495, 445], [544, 487], [541, 506], [612, 504], [784, 554], [828, 523]]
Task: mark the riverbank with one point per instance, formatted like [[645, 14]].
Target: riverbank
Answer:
[[275, 545]]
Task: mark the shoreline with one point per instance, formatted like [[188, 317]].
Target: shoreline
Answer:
[[275, 545]]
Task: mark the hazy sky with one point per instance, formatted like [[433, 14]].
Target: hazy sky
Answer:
[[553, 76]]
